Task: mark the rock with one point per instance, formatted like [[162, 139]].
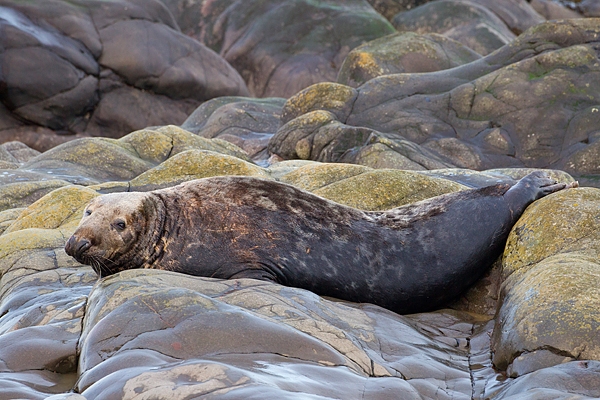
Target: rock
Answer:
[[550, 297], [194, 164], [318, 136], [373, 189], [98, 76], [141, 331], [245, 122], [589, 8], [43, 302], [334, 347], [481, 115], [336, 98], [19, 194], [156, 145], [386, 140], [16, 152], [389, 8], [581, 379], [479, 179], [472, 24], [402, 52], [381, 152], [94, 160], [7, 217], [518, 15], [302, 53], [169, 67], [314, 176], [60, 208], [552, 10]]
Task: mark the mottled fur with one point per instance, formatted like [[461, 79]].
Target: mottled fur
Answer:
[[409, 259]]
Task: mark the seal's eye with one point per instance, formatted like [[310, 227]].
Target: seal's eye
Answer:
[[87, 213], [119, 225]]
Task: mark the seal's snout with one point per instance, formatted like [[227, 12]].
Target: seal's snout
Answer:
[[76, 248]]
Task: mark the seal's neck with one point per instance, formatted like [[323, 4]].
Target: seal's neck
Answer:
[[151, 249]]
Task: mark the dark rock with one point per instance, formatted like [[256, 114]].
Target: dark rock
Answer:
[[247, 123], [550, 9], [532, 103], [101, 69], [389, 8], [470, 23], [589, 8], [303, 51], [518, 15], [158, 59], [403, 52]]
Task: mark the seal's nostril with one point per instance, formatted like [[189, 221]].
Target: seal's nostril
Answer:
[[83, 245], [75, 247], [69, 246]]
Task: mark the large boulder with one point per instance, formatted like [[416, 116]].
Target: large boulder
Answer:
[[403, 52], [246, 122], [100, 69], [553, 10], [471, 23], [550, 298], [302, 52]]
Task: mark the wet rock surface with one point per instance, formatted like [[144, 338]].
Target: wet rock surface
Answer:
[[163, 334]]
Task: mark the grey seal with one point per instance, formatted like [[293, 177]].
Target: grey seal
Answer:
[[408, 259]]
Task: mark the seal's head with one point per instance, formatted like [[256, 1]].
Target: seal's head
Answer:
[[111, 227]]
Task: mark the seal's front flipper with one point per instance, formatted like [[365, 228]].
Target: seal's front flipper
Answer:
[[531, 188], [254, 271]]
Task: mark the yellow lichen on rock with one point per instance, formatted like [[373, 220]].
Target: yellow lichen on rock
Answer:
[[316, 176], [156, 145], [556, 305], [59, 208], [195, 164], [385, 189], [29, 239], [330, 96], [19, 194], [563, 222], [550, 295], [150, 145]]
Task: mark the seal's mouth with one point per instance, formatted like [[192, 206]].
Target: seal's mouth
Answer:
[[80, 250], [77, 248]]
